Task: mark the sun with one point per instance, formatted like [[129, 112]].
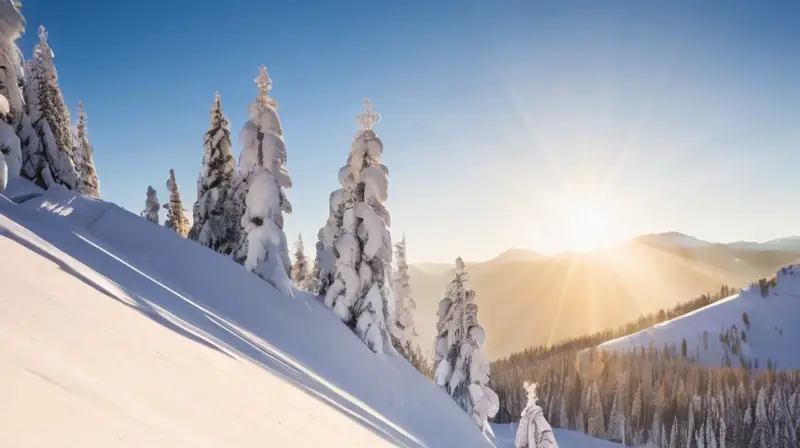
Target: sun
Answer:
[[590, 226]]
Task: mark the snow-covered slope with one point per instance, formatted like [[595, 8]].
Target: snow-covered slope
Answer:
[[115, 331], [772, 333]]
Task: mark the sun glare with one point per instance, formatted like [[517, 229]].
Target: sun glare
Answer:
[[590, 227]]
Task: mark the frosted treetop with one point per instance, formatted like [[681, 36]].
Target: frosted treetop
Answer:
[[368, 118], [264, 85], [42, 35]]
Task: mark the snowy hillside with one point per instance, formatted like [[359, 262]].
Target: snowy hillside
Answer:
[[116, 331], [771, 333]]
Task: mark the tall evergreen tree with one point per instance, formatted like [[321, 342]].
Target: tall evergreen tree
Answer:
[[403, 322], [151, 206], [361, 294], [313, 285], [327, 255], [51, 160], [300, 274], [12, 106], [9, 147], [215, 218], [263, 248], [12, 25], [460, 367], [88, 183], [176, 220], [563, 417], [596, 424], [616, 420]]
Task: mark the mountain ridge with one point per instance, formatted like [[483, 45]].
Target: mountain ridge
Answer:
[[674, 238], [552, 298]]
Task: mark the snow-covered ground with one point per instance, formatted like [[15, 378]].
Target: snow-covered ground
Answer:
[[772, 334], [505, 434], [115, 331]]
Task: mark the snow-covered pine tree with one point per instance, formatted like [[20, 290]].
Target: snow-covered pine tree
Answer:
[[690, 424], [12, 106], [673, 434], [711, 438], [534, 431], [76, 150], [616, 420], [9, 146], [176, 220], [151, 206], [403, 323], [215, 224], [12, 25], [460, 366], [655, 429], [362, 294], [263, 247], [84, 157], [563, 420], [636, 408], [327, 236], [313, 285], [596, 425], [10, 151], [51, 160], [762, 430], [699, 437], [239, 199], [300, 274]]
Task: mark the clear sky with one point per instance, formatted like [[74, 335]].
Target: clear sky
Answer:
[[511, 123]]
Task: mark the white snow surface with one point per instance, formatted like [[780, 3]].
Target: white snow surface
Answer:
[[3, 173], [114, 331], [773, 332], [5, 109], [505, 435]]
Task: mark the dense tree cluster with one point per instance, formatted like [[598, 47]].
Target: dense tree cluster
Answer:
[[655, 396], [37, 140]]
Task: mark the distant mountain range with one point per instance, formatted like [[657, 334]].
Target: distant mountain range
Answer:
[[526, 298], [677, 239]]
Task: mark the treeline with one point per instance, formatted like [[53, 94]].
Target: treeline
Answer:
[[657, 397], [643, 322]]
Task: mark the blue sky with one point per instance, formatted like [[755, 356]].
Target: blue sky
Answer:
[[543, 125]]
